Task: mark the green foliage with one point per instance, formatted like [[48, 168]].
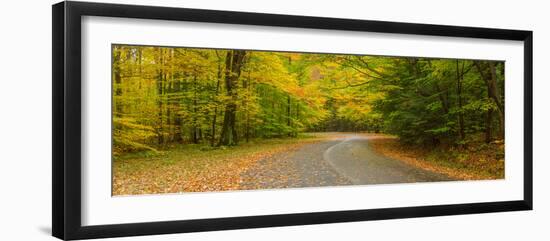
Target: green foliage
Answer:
[[432, 101], [166, 95]]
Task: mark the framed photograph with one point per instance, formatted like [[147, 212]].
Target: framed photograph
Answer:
[[169, 120]]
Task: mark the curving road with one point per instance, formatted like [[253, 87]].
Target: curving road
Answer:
[[344, 160]]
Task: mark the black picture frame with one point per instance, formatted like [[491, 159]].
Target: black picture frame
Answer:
[[66, 168]]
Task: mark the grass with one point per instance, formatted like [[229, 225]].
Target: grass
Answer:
[[476, 161], [194, 167]]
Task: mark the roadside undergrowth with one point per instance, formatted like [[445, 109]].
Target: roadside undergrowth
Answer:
[[476, 161]]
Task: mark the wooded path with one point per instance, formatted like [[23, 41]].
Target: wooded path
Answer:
[[344, 160]]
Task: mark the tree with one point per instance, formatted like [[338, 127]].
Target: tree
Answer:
[[163, 96], [233, 64], [488, 73]]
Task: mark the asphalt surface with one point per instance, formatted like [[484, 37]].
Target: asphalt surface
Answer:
[[346, 160]]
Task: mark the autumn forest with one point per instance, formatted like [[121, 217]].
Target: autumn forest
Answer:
[[192, 119]]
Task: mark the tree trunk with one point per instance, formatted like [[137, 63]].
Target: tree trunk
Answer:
[[177, 118], [195, 120], [246, 87], [213, 137], [443, 98], [140, 54], [234, 62], [488, 74], [461, 132], [488, 131], [160, 87], [496, 96], [169, 88], [118, 82], [288, 103], [297, 117]]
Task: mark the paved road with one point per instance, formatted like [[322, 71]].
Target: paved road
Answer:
[[345, 160], [354, 159]]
